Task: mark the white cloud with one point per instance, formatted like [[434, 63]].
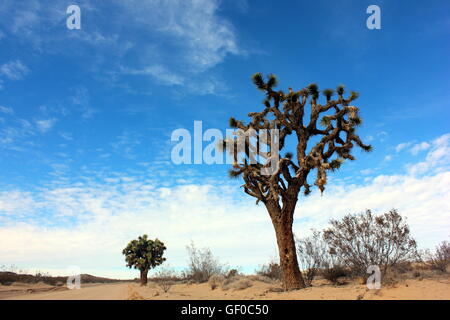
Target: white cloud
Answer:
[[66, 136], [6, 110], [182, 39], [402, 146], [12, 136], [88, 223], [388, 158], [204, 37], [45, 125], [81, 99], [14, 70], [159, 72], [436, 160], [419, 147], [366, 171]]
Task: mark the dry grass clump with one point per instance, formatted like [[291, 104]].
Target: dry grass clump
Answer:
[[236, 283], [260, 278], [215, 281]]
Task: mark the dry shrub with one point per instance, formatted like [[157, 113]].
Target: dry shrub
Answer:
[[215, 281], [271, 270], [440, 258], [333, 273], [403, 267], [313, 254], [232, 273], [165, 277], [362, 240], [202, 265], [316, 258]]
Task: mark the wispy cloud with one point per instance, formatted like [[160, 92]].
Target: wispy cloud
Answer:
[[437, 158], [14, 70], [182, 39], [402, 146], [12, 137], [419, 147], [203, 37], [45, 125], [126, 143], [159, 72], [6, 110], [82, 101]]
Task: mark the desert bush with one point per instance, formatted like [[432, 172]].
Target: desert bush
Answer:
[[271, 270], [165, 277], [232, 273], [333, 273], [313, 254], [215, 281], [403, 267], [361, 240], [440, 259], [203, 264]]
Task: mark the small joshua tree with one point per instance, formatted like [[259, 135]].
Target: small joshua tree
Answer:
[[144, 254], [320, 144]]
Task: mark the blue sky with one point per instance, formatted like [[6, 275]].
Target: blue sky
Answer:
[[86, 118]]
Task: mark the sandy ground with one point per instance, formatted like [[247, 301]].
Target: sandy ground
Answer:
[[437, 288], [118, 291]]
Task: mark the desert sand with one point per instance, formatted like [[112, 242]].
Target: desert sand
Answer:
[[436, 288]]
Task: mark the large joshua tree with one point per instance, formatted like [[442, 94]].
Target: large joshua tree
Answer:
[[144, 254], [321, 146]]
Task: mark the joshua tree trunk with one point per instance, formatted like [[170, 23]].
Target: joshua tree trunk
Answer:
[[282, 222], [144, 277]]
